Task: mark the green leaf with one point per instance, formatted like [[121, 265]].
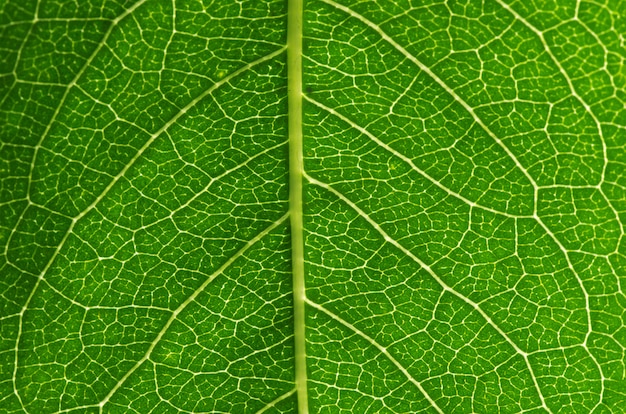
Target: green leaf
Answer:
[[340, 206]]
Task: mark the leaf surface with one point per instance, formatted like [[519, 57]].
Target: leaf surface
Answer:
[[388, 207]]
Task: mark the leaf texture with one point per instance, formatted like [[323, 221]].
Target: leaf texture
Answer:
[[459, 173]]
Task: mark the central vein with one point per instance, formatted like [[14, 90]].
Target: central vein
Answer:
[[296, 165]]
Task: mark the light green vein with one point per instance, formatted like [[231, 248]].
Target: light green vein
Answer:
[[296, 167], [276, 401]]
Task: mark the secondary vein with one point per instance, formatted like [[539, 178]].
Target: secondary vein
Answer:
[[186, 303]]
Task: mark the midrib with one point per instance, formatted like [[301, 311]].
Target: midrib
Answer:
[[294, 63]]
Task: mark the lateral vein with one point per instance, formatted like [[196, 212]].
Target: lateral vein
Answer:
[[188, 301], [380, 348], [436, 277]]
